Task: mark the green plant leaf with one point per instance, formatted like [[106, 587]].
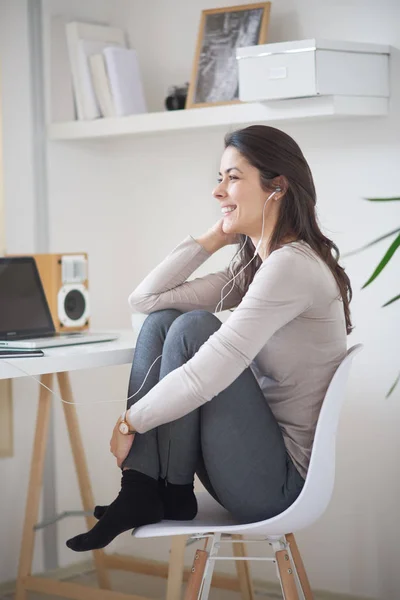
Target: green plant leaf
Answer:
[[379, 239], [382, 199], [392, 249], [393, 386], [390, 301]]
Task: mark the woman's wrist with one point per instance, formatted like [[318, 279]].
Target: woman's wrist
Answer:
[[209, 243], [125, 417]]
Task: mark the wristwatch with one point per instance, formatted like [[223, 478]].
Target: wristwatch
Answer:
[[124, 427]]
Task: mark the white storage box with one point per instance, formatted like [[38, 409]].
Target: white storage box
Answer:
[[311, 68]]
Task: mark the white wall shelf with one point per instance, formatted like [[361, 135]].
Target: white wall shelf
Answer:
[[316, 107]]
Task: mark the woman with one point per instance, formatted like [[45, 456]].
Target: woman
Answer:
[[235, 402]]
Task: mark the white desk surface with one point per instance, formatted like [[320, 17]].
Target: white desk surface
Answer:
[[73, 358]]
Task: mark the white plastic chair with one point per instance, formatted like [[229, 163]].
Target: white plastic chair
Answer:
[[215, 524]]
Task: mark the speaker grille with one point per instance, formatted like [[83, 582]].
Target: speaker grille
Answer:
[[74, 305]]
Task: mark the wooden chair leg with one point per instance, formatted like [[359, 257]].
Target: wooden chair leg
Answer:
[[176, 567], [34, 486], [81, 471], [305, 584], [196, 575], [243, 569], [287, 577]]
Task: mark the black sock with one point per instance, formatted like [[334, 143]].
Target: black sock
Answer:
[[99, 510], [179, 501], [138, 503]]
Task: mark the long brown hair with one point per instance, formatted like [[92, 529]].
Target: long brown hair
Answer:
[[274, 154]]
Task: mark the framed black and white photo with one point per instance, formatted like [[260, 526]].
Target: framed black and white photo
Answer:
[[215, 74]]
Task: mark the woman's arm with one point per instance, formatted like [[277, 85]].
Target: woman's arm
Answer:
[[282, 289], [166, 286]]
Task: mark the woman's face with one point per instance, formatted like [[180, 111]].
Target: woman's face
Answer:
[[239, 187]]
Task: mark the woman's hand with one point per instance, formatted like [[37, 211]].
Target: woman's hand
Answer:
[[120, 444], [215, 238]]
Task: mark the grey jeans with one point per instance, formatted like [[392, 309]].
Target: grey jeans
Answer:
[[233, 442]]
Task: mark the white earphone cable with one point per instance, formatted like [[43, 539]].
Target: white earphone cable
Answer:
[[216, 308], [79, 403], [255, 253]]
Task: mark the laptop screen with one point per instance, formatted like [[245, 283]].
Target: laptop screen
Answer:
[[24, 311]]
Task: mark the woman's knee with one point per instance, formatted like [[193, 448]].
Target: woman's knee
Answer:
[[195, 323], [165, 316]]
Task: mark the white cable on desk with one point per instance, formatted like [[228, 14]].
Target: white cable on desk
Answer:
[[79, 403]]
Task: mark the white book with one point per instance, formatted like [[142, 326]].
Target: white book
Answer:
[[85, 39], [62, 105], [125, 82], [101, 85], [86, 49]]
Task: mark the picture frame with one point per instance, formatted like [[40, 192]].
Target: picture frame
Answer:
[[214, 79]]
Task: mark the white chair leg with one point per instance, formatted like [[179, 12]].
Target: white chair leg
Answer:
[[208, 571]]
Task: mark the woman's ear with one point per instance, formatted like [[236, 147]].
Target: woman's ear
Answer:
[[282, 183]]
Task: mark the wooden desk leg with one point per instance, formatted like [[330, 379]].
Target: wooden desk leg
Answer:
[[176, 567], [243, 570], [81, 471], [34, 486]]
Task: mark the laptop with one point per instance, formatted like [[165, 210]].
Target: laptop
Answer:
[[25, 318]]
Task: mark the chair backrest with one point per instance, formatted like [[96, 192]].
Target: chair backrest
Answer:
[[318, 487]]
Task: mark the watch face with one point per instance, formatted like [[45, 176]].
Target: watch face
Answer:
[[123, 427]]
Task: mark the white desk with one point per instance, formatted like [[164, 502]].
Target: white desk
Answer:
[[73, 358], [59, 362]]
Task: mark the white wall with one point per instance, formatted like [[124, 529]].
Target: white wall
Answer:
[[17, 126], [142, 196], [20, 236]]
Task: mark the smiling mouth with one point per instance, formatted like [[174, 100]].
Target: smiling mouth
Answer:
[[228, 212]]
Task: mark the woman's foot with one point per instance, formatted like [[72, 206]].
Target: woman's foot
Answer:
[[179, 502], [138, 503]]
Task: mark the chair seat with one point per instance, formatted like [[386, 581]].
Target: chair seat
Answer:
[[211, 516]]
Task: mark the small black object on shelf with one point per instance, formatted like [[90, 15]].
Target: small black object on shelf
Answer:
[[176, 98]]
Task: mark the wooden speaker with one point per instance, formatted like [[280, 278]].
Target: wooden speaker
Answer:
[[65, 282]]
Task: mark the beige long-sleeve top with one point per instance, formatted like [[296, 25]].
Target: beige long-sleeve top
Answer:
[[289, 328]]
